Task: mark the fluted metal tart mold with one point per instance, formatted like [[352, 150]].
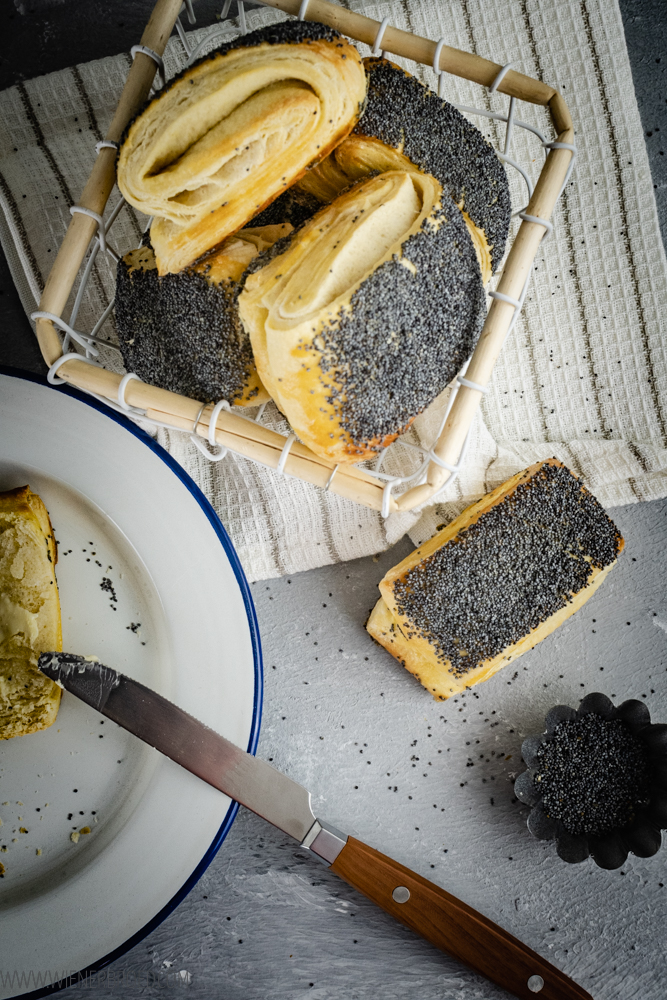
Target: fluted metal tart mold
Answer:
[[609, 848]]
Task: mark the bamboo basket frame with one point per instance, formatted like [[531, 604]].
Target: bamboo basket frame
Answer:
[[229, 428]]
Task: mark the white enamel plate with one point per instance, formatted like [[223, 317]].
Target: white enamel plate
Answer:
[[150, 583]]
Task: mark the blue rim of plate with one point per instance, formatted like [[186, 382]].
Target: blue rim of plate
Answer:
[[230, 552]]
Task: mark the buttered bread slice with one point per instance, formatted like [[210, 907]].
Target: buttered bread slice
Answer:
[[29, 613], [497, 580]]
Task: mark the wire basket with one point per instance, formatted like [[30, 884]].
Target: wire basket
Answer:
[[219, 428]]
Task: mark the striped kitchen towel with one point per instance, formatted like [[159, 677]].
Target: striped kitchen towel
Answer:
[[582, 377]]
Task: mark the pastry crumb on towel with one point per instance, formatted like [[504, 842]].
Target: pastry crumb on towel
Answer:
[[497, 580]]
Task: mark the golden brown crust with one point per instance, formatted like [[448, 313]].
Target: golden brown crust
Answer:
[[416, 652], [338, 314], [231, 133], [41, 513]]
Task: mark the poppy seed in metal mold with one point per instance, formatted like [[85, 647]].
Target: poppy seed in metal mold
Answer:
[[597, 781]]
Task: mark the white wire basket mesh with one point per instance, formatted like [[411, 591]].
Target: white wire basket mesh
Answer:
[[407, 472]]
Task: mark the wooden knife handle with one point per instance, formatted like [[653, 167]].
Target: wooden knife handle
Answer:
[[453, 926]]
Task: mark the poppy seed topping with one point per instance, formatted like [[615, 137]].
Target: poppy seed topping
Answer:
[[522, 560], [596, 781], [293, 206], [180, 331], [372, 341], [440, 141], [592, 774], [406, 333]]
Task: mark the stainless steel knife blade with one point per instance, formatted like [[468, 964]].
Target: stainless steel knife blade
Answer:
[[160, 723], [426, 908]]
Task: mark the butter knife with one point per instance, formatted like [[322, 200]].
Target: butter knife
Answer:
[[441, 918]]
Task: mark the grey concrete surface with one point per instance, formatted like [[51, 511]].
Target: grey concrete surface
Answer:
[[387, 763], [427, 782]]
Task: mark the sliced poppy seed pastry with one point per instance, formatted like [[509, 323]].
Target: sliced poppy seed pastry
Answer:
[[405, 125], [181, 331], [597, 781], [365, 314], [497, 580], [225, 137], [29, 613]]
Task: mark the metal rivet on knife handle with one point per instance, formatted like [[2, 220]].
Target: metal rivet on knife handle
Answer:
[[452, 925], [401, 894], [535, 984]]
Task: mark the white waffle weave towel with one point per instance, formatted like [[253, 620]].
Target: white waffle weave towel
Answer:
[[584, 374]]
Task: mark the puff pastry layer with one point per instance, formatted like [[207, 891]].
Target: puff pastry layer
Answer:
[[366, 313], [497, 580], [405, 126], [228, 135], [29, 614]]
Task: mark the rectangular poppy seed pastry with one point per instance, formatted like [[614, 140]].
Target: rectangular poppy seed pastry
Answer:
[[497, 580], [29, 613]]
